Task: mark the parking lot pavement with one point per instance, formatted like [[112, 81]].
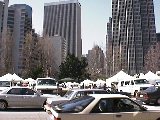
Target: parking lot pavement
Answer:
[[23, 114]]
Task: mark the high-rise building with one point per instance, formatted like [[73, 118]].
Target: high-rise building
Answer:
[[19, 23], [59, 51], [1, 16], [63, 18], [95, 58], [133, 31], [3, 30]]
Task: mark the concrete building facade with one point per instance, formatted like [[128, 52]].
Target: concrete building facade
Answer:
[[63, 18], [133, 31], [59, 45], [19, 23], [96, 61]]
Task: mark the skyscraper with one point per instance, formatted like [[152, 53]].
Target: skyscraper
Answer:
[[1, 17], [96, 63], [19, 23], [3, 30], [64, 19], [133, 31]]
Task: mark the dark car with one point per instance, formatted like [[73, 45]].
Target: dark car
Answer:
[[150, 95]]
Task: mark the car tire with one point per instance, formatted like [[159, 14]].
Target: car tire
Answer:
[[3, 105], [158, 101]]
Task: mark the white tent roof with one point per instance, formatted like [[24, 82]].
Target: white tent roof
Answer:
[[142, 76], [150, 76], [16, 77], [7, 77], [10, 77], [118, 77]]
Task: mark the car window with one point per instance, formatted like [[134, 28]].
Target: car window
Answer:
[[15, 91], [116, 105], [81, 93], [26, 91], [68, 94], [100, 92], [74, 106]]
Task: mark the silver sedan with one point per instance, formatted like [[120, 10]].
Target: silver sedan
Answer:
[[22, 97]]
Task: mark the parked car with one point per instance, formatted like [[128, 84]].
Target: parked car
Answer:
[[22, 97], [102, 107], [72, 94], [150, 95]]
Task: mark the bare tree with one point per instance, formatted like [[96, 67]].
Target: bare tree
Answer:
[[28, 49], [46, 56], [152, 58], [6, 52], [109, 61]]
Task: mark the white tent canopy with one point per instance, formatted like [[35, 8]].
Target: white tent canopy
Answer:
[[118, 77], [141, 76], [151, 77], [16, 78], [10, 77]]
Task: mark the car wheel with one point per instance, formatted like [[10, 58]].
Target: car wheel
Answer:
[[3, 105], [158, 101]]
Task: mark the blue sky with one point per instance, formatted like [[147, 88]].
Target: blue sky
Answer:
[[95, 15]]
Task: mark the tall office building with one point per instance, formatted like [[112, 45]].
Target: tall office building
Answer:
[[19, 23], [95, 58], [63, 18], [3, 30], [1, 17], [133, 31], [1, 22]]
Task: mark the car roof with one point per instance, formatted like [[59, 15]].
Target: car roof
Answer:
[[108, 96], [87, 90]]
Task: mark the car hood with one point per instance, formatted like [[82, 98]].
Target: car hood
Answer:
[[56, 100]]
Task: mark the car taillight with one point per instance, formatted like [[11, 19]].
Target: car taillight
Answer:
[[145, 96], [57, 118]]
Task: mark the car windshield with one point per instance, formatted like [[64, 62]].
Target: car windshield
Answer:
[[74, 106], [68, 94], [46, 82], [141, 81], [4, 84]]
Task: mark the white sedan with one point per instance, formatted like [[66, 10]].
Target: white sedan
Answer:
[[102, 107]]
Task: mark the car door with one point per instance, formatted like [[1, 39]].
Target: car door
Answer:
[[31, 98], [14, 97], [126, 109], [102, 111]]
